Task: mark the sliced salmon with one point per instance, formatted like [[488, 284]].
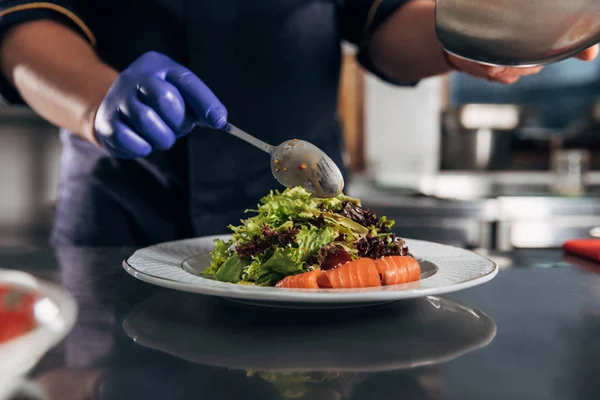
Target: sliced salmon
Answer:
[[361, 273], [396, 270], [354, 274], [305, 280]]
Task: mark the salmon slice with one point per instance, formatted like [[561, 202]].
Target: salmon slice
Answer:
[[396, 270], [359, 273], [305, 280]]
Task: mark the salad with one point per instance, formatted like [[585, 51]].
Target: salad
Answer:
[[297, 240]]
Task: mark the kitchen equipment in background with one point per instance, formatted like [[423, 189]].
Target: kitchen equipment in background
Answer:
[[478, 136], [30, 154], [517, 32], [584, 133], [570, 170], [402, 128], [537, 222]]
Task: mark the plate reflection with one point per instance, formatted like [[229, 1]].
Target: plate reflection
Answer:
[[316, 355]]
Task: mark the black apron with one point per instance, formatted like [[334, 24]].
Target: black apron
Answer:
[[273, 63]]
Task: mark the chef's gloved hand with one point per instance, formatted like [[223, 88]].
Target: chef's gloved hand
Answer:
[[151, 104]]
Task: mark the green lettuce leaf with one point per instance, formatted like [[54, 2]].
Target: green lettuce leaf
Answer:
[[277, 209], [310, 239], [285, 261], [260, 274], [291, 260], [221, 253], [386, 223], [345, 225], [231, 270]]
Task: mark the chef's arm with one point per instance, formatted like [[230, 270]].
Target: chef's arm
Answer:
[[405, 45], [56, 72], [396, 39], [49, 63]]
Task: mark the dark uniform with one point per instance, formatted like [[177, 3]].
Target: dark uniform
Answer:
[[273, 63]]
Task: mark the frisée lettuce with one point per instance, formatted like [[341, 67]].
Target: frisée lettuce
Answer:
[[293, 232]]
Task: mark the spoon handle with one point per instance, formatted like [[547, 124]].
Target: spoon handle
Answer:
[[235, 131]]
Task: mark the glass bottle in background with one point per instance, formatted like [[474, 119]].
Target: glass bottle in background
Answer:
[[570, 170]]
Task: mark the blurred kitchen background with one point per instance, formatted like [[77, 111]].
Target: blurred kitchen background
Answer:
[[454, 160]]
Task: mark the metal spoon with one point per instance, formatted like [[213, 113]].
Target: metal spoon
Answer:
[[298, 163], [517, 33]]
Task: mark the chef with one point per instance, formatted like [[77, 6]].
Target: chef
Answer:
[[139, 89]]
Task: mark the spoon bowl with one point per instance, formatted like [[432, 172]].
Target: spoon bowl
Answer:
[[298, 163]]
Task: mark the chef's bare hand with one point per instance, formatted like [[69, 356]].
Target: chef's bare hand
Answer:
[[507, 75], [151, 104]]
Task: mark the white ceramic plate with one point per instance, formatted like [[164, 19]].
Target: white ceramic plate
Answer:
[[177, 265], [55, 313], [402, 335]]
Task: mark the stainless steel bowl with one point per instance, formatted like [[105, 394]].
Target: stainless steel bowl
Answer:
[[517, 32]]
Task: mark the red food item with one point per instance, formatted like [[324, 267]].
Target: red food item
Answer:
[[586, 248], [16, 312], [361, 273], [305, 280], [335, 257], [354, 274]]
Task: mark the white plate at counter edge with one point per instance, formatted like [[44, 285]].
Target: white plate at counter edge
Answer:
[[162, 265]]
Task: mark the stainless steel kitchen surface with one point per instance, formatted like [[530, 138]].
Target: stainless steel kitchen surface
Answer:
[[493, 211]]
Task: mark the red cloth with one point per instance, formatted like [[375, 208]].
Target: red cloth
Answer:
[[586, 248]]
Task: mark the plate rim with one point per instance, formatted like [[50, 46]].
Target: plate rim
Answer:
[[306, 295]]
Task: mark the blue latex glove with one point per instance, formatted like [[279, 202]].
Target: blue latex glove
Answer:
[[151, 104]]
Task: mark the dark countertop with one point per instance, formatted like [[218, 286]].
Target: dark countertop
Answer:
[[544, 338]]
